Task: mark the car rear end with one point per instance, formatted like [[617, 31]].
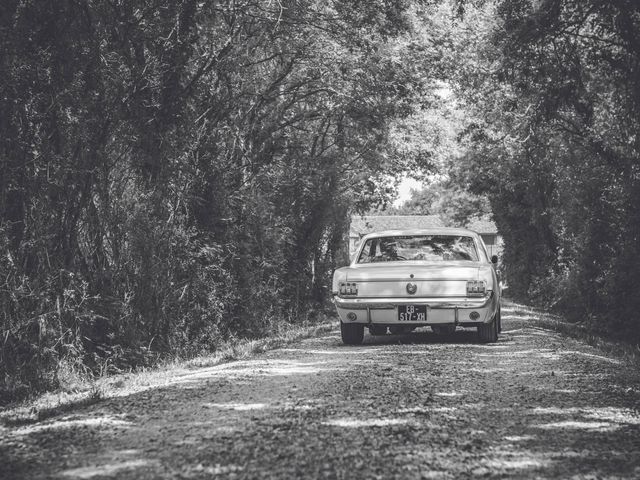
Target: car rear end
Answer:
[[406, 293]]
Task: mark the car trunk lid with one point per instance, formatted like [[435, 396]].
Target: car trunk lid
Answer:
[[441, 280]]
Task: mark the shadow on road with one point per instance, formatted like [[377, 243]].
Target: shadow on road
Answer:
[[535, 404]]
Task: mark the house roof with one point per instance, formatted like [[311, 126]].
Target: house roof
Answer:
[[361, 225], [483, 226]]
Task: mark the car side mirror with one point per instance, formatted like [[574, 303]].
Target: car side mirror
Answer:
[[494, 259]]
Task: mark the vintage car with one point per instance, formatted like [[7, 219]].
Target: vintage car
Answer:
[[400, 280]]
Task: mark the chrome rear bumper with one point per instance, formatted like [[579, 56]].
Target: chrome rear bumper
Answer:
[[390, 303], [443, 310]]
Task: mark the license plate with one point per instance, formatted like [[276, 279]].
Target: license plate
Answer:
[[412, 313]]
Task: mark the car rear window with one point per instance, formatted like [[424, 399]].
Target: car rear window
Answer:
[[430, 248]]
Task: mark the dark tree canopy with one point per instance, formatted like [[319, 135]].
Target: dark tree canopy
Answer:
[[173, 174], [553, 143]]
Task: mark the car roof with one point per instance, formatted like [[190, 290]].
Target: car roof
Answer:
[[422, 231]]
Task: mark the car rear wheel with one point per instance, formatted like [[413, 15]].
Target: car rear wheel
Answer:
[[443, 330], [488, 332], [378, 330], [352, 333]]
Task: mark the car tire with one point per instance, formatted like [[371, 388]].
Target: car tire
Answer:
[[378, 330], [352, 333], [488, 332], [443, 330], [499, 315]]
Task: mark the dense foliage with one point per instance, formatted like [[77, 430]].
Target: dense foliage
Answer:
[[175, 173], [454, 204], [554, 87]]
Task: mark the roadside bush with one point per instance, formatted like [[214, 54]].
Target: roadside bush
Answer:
[[551, 145], [171, 177]]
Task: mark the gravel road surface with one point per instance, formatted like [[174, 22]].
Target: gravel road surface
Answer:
[[536, 404]]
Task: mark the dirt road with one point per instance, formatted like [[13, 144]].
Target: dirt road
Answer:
[[535, 405]]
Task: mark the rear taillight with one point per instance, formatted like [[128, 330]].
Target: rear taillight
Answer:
[[476, 288], [347, 289]]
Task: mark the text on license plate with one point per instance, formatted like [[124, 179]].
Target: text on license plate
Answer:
[[412, 313]]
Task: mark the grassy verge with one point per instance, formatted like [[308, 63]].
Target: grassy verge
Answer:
[[579, 331], [91, 392]]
